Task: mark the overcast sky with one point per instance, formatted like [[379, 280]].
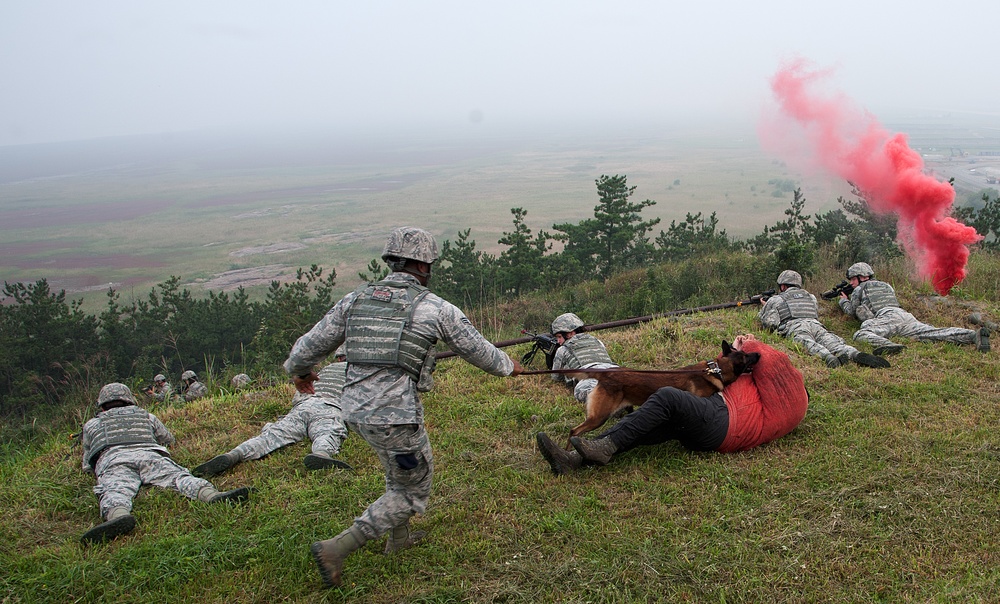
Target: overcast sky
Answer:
[[83, 69]]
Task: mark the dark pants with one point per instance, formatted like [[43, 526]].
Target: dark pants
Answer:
[[700, 424]]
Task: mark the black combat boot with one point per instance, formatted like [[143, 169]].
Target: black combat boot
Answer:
[[218, 464], [120, 522], [318, 461]]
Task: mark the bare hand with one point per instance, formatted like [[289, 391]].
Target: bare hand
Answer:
[[304, 384], [517, 368]]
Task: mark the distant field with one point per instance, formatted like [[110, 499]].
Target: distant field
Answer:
[[220, 213]]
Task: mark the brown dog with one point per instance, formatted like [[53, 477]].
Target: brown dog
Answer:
[[620, 388]]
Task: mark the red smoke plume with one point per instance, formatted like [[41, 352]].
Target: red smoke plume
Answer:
[[830, 133]]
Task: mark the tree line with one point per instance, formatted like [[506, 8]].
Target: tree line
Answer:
[[50, 348]]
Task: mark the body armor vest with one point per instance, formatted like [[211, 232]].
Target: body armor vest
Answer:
[[878, 295], [797, 303], [379, 327], [585, 349], [121, 426], [331, 381]]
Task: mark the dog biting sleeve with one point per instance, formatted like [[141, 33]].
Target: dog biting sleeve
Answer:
[[765, 404]]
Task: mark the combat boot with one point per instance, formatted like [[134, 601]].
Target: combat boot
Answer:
[[561, 462], [218, 464], [210, 494], [869, 360], [889, 349], [983, 339], [597, 450], [831, 361], [119, 522], [400, 538], [318, 461], [331, 553]]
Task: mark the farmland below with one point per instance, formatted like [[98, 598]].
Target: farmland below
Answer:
[[223, 211]]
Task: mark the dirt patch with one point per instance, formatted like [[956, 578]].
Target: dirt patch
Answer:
[[249, 277], [273, 248]]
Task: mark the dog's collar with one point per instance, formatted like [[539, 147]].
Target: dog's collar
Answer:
[[713, 368]]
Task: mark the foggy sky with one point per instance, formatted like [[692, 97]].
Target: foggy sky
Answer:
[[75, 70]]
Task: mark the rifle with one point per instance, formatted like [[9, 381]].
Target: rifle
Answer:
[[542, 341], [843, 286], [757, 299]]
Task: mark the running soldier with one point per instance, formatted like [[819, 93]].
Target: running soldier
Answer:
[[794, 313], [577, 350], [192, 387], [390, 328], [317, 416], [125, 447], [874, 303]]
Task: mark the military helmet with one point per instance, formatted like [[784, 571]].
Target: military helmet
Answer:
[[240, 380], [159, 378], [790, 278], [860, 269], [566, 322], [341, 351], [189, 375], [411, 243], [115, 392]]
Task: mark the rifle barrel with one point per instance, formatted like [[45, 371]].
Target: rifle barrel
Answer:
[[623, 322]]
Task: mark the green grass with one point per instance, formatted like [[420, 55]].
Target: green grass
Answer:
[[887, 492]]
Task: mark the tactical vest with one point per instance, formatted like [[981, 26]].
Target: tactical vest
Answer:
[[585, 349], [879, 295], [380, 327], [331, 381], [797, 303], [120, 426]]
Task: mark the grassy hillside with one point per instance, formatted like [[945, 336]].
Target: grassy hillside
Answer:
[[887, 492]]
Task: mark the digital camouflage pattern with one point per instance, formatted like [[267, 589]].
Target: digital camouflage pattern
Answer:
[[874, 303], [794, 314], [790, 278], [412, 243], [317, 416], [582, 351], [388, 395], [115, 392], [860, 269], [240, 380], [123, 468], [195, 390], [161, 391], [566, 322], [382, 404]]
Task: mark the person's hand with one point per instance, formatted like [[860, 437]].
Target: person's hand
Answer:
[[517, 368], [843, 296], [304, 383], [742, 339]]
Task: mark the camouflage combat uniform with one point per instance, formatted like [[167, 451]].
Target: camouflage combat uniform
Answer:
[[317, 416], [794, 314], [389, 329], [125, 448], [874, 303], [582, 351], [195, 390], [161, 393]]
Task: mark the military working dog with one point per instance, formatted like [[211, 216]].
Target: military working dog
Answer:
[[620, 387]]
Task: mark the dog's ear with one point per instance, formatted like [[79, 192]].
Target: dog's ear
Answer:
[[726, 348]]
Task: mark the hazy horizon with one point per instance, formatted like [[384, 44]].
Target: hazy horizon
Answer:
[[80, 71]]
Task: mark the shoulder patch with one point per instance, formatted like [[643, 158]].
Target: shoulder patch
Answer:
[[382, 294], [466, 321]]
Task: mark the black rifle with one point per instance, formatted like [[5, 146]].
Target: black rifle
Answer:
[[758, 299], [843, 286], [545, 342]]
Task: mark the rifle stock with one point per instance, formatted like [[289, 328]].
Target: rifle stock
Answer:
[[634, 320]]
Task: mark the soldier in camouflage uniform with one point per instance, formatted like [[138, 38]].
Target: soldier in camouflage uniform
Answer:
[[874, 303], [160, 390], [794, 313], [577, 350], [240, 381], [390, 328], [125, 447], [192, 387], [317, 416]]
